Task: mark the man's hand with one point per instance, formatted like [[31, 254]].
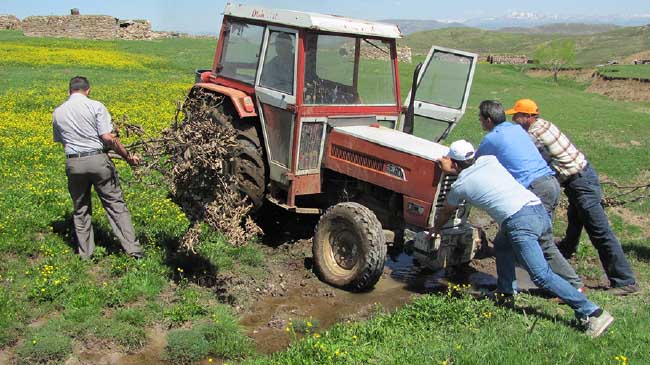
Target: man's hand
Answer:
[[114, 143], [447, 166], [133, 159], [442, 217]]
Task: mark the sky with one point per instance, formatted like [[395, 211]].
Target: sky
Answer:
[[204, 16]]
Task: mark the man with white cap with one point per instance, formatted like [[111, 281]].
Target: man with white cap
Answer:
[[486, 184]]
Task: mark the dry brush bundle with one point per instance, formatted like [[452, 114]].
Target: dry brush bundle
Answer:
[[193, 156]]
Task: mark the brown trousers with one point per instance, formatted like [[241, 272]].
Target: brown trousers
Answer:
[[99, 171]]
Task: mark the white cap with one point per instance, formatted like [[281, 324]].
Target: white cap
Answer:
[[461, 150]]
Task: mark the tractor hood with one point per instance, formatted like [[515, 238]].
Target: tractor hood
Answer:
[[397, 140]]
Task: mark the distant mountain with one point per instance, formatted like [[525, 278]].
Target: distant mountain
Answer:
[[562, 28], [530, 23], [410, 26], [528, 19]]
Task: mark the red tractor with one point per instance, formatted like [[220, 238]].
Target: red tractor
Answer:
[[316, 103]]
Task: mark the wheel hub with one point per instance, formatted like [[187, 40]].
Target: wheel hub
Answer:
[[344, 248]]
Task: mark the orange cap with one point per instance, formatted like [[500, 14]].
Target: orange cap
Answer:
[[526, 106]]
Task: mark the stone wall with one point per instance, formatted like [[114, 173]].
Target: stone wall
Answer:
[[9, 22], [507, 59], [404, 54], [374, 53], [368, 51], [86, 26], [71, 26], [135, 29]]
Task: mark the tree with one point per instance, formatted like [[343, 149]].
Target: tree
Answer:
[[556, 54]]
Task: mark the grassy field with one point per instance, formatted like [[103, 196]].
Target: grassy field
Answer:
[[626, 71], [52, 304], [590, 49]]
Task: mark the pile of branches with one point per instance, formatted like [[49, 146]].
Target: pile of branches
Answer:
[[193, 156], [626, 194]]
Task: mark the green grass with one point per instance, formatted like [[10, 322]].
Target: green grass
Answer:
[[51, 302], [452, 329], [626, 71]]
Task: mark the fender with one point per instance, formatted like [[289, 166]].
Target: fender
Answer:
[[242, 102]]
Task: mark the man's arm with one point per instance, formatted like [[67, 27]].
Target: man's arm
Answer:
[[114, 143], [447, 166], [56, 133], [443, 216]]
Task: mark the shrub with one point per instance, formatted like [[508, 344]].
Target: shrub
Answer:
[[44, 347], [133, 316], [189, 306], [127, 335], [186, 346], [225, 339]]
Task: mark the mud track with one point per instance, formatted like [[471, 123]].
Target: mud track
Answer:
[[292, 292]]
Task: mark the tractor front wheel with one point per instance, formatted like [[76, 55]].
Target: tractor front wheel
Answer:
[[349, 247]]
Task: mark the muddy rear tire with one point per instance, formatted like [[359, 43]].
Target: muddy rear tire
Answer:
[[247, 164], [349, 247]]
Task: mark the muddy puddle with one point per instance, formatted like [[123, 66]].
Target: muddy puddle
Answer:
[[308, 299], [266, 321]]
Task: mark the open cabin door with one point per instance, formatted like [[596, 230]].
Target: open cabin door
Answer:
[[441, 93], [275, 90]]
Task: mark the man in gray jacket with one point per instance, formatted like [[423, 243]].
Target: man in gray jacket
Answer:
[[84, 128]]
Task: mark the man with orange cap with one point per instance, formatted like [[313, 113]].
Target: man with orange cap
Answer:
[[582, 187]]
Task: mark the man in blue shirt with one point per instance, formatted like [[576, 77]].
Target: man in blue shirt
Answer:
[[486, 184], [518, 154]]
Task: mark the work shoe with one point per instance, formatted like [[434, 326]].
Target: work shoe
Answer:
[[138, 256], [596, 324], [622, 291]]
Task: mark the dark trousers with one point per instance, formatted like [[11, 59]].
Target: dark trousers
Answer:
[[585, 210], [99, 171]]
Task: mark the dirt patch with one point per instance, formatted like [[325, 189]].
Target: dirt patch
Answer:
[[643, 222], [5, 356], [100, 353], [625, 90], [645, 55]]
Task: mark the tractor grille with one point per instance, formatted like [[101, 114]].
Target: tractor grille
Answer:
[[311, 136], [443, 189], [358, 158]]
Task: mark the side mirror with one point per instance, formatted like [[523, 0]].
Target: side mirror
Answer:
[[408, 118]]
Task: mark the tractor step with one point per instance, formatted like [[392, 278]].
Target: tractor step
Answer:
[[295, 209]]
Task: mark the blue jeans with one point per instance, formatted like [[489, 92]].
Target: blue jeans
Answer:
[[522, 231], [585, 210], [547, 190]]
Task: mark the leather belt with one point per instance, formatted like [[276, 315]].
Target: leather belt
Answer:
[[574, 176], [84, 154]]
